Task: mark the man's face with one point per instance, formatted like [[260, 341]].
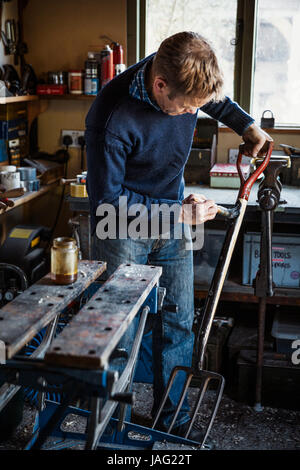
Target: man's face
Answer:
[[179, 104]]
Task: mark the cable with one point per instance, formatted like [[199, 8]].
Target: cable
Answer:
[[67, 141], [81, 142]]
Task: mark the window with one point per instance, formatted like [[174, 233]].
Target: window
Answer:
[[277, 61], [256, 41], [215, 20]]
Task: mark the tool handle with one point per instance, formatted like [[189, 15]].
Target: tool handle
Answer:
[[246, 184]]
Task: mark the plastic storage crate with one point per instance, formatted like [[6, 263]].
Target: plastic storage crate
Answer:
[[285, 330], [285, 259]]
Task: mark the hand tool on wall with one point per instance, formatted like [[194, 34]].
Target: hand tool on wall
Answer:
[[268, 198], [196, 375]]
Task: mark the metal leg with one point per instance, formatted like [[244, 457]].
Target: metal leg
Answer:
[[260, 353]]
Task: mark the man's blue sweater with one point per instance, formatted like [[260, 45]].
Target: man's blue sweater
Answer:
[[136, 151]]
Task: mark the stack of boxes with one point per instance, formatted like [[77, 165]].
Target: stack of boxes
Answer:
[[14, 141]]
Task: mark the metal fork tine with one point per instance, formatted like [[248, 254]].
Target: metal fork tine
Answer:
[[198, 402], [167, 391], [182, 397], [219, 394]]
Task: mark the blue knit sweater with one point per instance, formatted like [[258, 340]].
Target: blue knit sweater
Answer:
[[137, 151]]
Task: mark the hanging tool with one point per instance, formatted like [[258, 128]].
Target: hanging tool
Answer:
[[268, 198], [196, 375]]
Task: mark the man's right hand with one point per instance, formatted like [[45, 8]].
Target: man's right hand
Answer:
[[196, 209]]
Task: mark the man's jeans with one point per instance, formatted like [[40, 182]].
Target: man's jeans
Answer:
[[172, 331]]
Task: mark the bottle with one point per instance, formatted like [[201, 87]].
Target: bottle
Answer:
[[91, 81], [107, 65], [64, 260]]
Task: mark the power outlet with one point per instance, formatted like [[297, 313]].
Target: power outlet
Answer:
[[74, 136]]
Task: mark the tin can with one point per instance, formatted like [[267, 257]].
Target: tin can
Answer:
[[64, 260], [91, 81], [75, 82], [107, 65]]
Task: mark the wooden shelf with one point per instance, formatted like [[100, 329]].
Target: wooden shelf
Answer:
[[235, 292], [17, 99], [29, 195]]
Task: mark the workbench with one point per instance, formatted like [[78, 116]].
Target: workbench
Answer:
[[286, 219], [80, 358]]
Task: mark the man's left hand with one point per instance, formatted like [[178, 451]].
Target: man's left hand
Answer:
[[256, 141]]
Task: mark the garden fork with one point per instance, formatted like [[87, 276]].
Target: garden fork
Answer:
[[197, 375]]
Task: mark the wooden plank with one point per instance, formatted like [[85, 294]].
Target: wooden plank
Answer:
[[95, 331], [35, 308]]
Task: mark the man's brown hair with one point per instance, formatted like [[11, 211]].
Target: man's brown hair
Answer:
[[188, 64]]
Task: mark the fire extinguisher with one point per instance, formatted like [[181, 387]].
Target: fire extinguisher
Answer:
[[107, 65], [118, 55]]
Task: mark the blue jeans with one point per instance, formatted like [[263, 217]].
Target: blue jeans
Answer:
[[172, 331]]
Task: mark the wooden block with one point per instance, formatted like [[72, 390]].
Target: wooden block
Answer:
[[95, 331], [26, 315]]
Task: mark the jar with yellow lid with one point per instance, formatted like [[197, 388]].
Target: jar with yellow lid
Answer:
[[64, 260]]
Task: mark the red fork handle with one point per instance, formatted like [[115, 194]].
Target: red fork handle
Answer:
[[246, 184]]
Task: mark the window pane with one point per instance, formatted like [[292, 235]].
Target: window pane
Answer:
[[277, 64], [215, 20]]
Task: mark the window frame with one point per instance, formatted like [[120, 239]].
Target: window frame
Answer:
[[245, 43]]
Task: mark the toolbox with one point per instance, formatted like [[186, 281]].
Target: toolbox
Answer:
[[285, 259], [285, 330], [280, 380], [203, 153]]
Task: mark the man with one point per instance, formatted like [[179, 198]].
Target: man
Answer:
[[139, 132]]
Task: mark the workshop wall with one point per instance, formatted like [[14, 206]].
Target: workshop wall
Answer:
[[59, 34], [9, 11]]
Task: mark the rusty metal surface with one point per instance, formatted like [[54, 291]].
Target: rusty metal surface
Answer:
[[28, 313], [95, 331]]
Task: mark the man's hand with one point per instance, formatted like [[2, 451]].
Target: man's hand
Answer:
[[255, 141], [196, 209]]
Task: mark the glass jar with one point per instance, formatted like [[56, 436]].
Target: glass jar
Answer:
[[64, 260], [75, 82]]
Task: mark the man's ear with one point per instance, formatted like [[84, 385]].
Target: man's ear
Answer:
[[159, 84]]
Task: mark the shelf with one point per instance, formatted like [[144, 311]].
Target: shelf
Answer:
[[67, 97], [235, 292], [29, 195], [17, 99]]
